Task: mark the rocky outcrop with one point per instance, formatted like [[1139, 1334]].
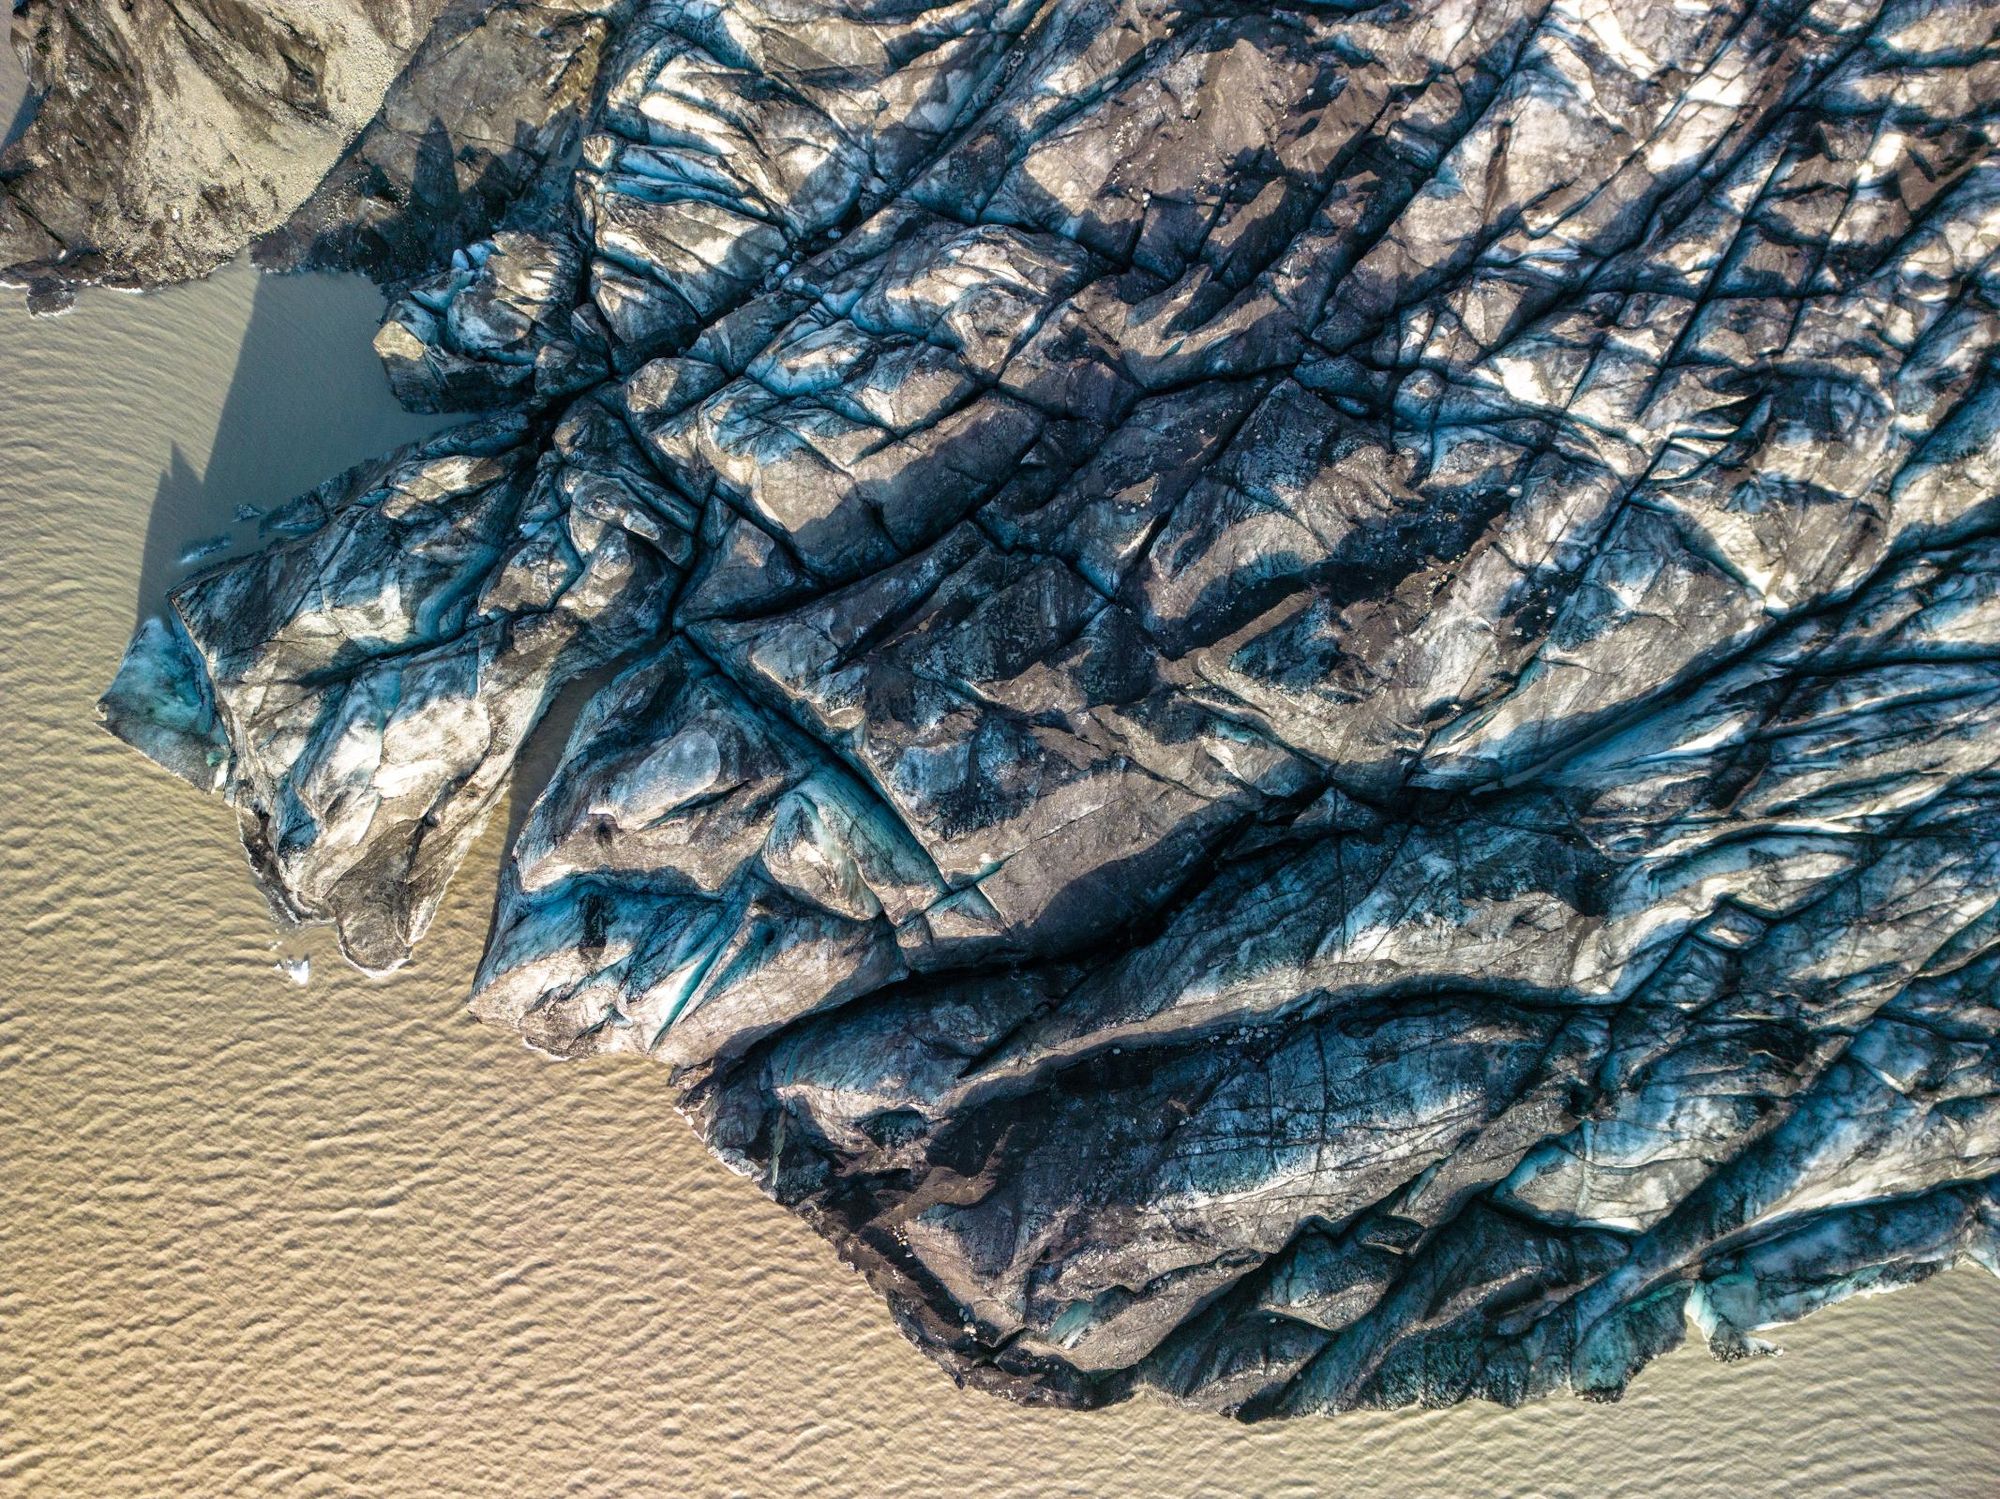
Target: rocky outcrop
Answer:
[[1305, 698], [374, 135], [168, 132]]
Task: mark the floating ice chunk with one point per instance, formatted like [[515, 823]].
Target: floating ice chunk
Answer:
[[194, 551]]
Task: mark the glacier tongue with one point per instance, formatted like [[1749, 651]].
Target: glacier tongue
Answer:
[[1301, 702]]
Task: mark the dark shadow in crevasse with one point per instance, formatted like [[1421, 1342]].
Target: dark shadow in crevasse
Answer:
[[306, 401]]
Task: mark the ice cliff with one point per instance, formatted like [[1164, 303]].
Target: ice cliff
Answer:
[[1298, 703]]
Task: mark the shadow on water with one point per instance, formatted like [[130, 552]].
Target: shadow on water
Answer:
[[18, 102], [306, 401], [542, 752]]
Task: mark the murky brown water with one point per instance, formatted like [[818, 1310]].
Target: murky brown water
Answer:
[[341, 1240]]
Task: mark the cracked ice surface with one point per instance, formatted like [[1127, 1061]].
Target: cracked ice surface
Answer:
[[1305, 707]]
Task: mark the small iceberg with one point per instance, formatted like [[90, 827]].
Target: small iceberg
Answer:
[[194, 551]]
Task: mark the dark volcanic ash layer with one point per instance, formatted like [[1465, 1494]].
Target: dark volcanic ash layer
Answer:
[[1302, 701]]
